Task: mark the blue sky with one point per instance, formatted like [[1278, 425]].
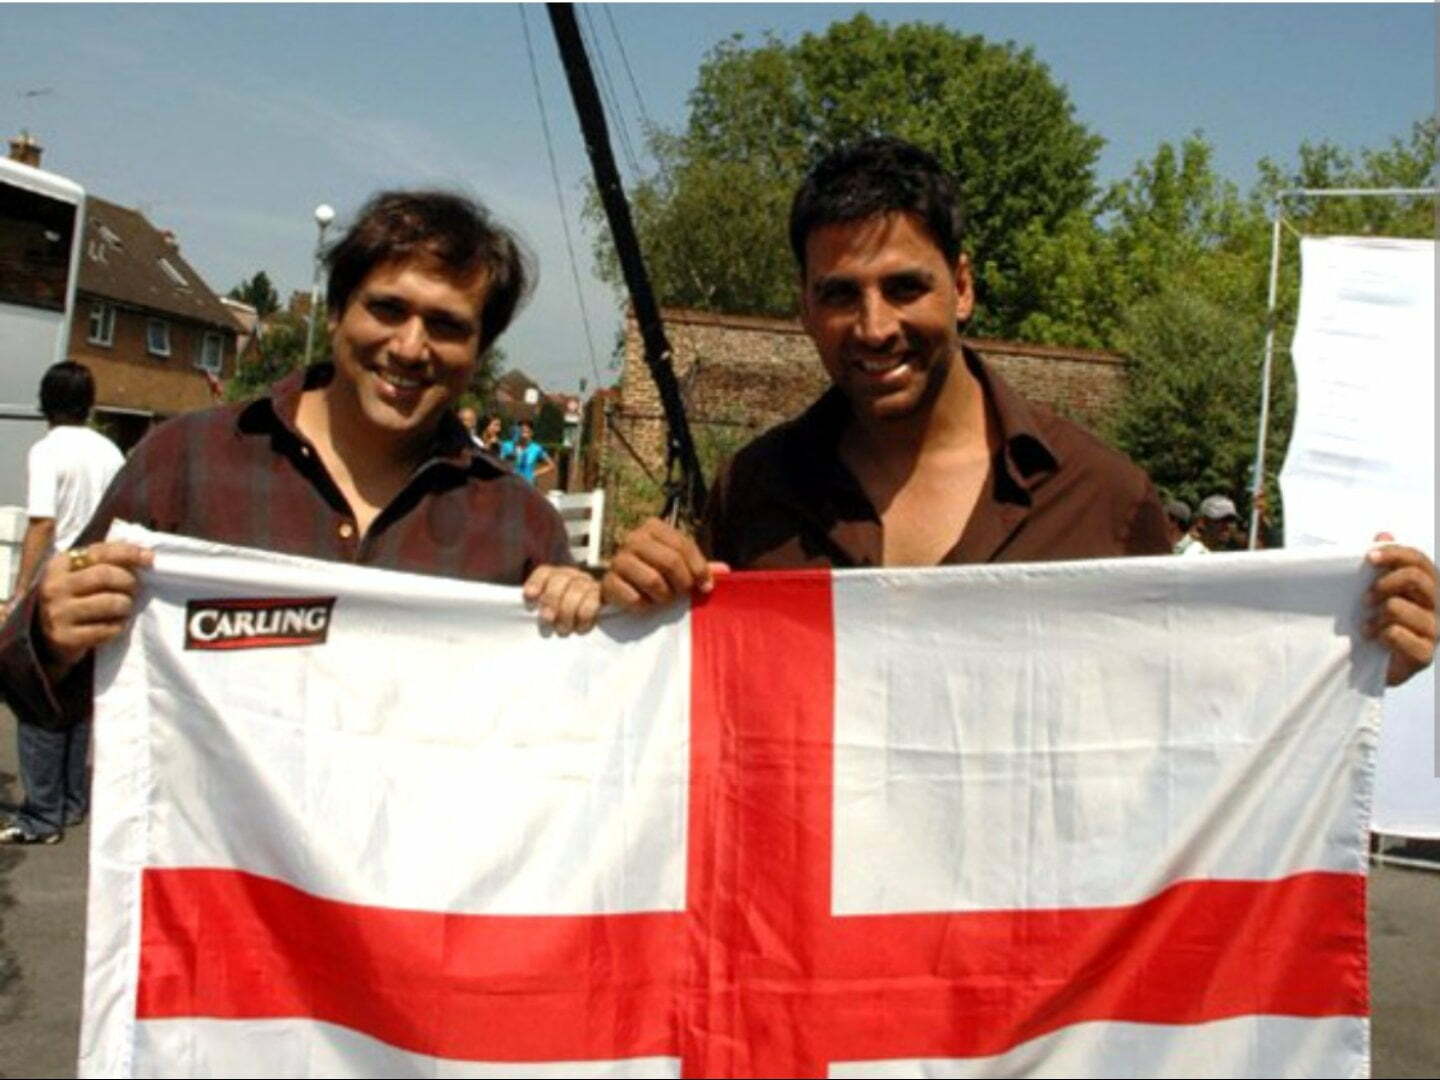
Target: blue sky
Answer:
[[229, 123]]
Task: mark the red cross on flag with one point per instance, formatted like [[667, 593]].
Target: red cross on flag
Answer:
[[1090, 819]]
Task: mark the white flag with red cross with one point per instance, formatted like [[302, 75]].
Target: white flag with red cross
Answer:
[[1084, 819]]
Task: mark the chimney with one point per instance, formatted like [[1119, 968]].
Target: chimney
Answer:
[[169, 238], [26, 150]]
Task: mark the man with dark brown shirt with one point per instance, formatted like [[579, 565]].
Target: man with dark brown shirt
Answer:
[[919, 455], [361, 460]]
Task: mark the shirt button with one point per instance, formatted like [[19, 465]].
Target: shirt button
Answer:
[[304, 451], [346, 530]]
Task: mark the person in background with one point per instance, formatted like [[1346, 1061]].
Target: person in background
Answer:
[[1218, 524], [490, 435], [69, 470], [466, 415], [1182, 535], [529, 457]]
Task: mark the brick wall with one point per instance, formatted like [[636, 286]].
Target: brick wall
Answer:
[[741, 375], [127, 376]]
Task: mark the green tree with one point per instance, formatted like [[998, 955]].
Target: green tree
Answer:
[[712, 218], [1187, 262], [1191, 405], [259, 293], [279, 349], [1172, 220], [549, 424]]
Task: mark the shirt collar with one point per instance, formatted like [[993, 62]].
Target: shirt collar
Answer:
[[279, 408], [1026, 456]]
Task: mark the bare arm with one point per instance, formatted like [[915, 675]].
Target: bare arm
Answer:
[[39, 535]]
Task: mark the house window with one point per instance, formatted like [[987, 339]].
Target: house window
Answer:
[[212, 352], [102, 323], [157, 337]]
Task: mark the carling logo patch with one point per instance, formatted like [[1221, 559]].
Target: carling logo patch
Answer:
[[257, 624]]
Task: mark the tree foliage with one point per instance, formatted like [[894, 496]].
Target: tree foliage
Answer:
[[1169, 266], [712, 218], [259, 293], [277, 350], [1191, 264]]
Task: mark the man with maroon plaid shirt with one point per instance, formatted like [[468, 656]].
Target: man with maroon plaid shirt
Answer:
[[359, 461]]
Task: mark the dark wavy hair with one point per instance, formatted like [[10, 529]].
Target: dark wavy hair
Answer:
[[877, 176], [67, 393], [456, 232]]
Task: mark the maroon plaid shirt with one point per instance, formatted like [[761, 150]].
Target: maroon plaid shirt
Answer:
[[243, 475]]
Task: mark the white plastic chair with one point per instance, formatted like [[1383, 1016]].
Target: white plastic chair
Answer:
[[584, 514]]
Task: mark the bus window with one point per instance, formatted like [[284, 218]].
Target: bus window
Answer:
[[35, 236]]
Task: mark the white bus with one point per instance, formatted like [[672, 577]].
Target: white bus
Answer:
[[42, 221], [42, 218]]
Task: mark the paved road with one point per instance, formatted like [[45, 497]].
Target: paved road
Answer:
[[42, 919]]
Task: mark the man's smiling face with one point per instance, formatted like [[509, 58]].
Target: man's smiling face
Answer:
[[405, 347], [882, 304]]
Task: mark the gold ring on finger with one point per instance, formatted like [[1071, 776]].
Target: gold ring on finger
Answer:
[[79, 558]]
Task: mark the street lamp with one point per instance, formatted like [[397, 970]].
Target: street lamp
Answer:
[[324, 215]]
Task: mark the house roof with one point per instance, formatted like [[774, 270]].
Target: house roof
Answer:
[[126, 259], [514, 383]]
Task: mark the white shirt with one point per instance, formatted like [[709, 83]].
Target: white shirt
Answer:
[[69, 469], [1190, 545]]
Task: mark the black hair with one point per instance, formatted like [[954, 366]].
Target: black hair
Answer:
[[67, 393], [456, 232], [877, 176]]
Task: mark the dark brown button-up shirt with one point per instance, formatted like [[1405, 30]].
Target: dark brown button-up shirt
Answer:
[[244, 475], [1054, 491]]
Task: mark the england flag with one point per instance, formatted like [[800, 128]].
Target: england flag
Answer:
[[1081, 819]]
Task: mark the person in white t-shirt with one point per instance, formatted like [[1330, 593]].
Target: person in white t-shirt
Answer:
[[69, 470]]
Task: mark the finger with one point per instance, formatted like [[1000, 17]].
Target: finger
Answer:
[[1398, 611], [587, 612], [96, 607], [1395, 556], [695, 562], [535, 583], [562, 602], [552, 587], [583, 594], [1409, 653], [121, 553], [76, 641], [617, 591], [1410, 582], [671, 559], [655, 534], [101, 578], [640, 573]]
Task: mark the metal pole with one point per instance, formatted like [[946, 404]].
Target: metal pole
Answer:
[[323, 216], [686, 498], [1258, 481]]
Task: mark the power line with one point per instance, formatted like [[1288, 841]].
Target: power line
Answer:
[[607, 90], [619, 43], [649, 124], [560, 199]]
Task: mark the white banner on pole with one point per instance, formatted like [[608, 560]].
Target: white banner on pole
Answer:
[[1362, 458]]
